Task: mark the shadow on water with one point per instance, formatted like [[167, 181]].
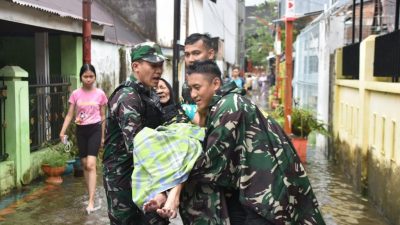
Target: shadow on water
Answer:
[[339, 203]]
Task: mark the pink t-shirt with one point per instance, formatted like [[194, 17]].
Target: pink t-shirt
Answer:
[[87, 105]]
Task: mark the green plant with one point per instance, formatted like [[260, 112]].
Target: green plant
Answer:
[[73, 151], [303, 121], [278, 115], [259, 35], [56, 156]]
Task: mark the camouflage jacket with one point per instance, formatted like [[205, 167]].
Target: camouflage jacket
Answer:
[[128, 113], [246, 152]]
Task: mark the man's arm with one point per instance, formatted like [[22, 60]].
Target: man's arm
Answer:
[[220, 147]]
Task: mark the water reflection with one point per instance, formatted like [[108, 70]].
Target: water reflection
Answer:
[[339, 204]]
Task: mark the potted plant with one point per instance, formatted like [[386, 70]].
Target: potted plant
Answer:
[[53, 164], [74, 151], [303, 122]]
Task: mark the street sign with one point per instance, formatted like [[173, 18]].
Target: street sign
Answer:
[[290, 9]]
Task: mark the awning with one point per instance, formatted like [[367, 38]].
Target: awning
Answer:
[[68, 8], [21, 17]]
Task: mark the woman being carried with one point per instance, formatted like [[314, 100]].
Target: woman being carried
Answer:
[[163, 157]]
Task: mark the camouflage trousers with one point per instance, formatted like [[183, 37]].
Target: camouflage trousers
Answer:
[[241, 215], [122, 210]]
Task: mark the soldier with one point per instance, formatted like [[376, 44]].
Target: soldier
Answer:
[[249, 173], [132, 106], [198, 47]]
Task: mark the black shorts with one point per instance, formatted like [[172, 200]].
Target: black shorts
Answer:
[[89, 139]]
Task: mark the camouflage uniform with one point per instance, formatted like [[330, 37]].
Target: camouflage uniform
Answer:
[[131, 107], [250, 154]]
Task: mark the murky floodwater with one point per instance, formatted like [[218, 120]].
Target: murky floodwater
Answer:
[[65, 204], [338, 202], [58, 205]]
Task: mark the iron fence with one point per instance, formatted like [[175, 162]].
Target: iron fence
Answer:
[[351, 60], [387, 56], [3, 96], [48, 105]]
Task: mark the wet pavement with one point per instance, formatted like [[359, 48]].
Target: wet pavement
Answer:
[[39, 203], [63, 204]]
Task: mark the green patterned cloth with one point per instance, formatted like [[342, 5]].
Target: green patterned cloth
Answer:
[[163, 158]]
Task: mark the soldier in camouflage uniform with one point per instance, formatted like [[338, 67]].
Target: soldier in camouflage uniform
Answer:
[[132, 106], [198, 47], [250, 172]]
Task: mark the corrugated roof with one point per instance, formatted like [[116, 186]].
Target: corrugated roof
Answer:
[[69, 8], [121, 33]]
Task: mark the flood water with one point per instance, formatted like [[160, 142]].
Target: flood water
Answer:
[[56, 205], [338, 202]]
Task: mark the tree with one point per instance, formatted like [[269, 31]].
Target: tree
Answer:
[[260, 36]]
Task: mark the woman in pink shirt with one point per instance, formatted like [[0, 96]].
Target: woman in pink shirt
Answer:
[[88, 104]]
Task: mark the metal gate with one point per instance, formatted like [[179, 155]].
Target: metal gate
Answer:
[[48, 105]]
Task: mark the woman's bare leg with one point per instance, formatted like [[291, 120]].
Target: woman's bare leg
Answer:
[[90, 176], [170, 209]]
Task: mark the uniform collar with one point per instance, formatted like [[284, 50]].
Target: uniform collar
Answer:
[[226, 89], [141, 88]]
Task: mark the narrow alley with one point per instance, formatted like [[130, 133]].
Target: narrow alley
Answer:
[[39, 203], [325, 67]]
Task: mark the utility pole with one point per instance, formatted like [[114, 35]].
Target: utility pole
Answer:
[[175, 61], [361, 21], [289, 18], [396, 21], [86, 30], [353, 24]]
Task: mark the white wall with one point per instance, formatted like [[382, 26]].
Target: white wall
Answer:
[[202, 16], [222, 21], [195, 16], [190, 23], [165, 22], [106, 60], [334, 26]]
